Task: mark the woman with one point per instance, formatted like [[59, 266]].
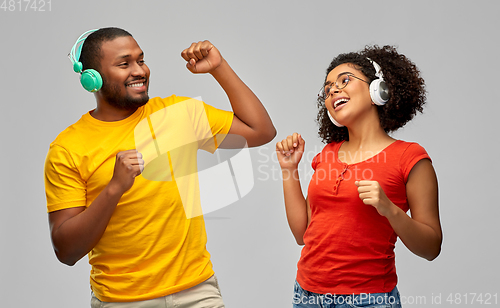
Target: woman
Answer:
[[364, 183]]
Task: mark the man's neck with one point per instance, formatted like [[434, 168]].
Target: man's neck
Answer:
[[111, 114]]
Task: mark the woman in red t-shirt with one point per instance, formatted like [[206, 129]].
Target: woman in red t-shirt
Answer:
[[364, 183]]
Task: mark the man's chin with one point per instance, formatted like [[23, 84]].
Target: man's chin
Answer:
[[136, 103], [130, 103]]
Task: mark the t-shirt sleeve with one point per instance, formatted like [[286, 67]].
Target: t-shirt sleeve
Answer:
[[220, 122], [64, 187], [412, 155], [315, 161]]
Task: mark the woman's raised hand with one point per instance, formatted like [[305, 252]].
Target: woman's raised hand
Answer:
[[290, 150]]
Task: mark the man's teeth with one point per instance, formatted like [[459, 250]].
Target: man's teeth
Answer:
[[340, 101], [136, 85]]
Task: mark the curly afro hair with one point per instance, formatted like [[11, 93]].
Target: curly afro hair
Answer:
[[406, 88]]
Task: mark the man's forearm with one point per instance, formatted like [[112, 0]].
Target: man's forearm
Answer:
[[75, 236]]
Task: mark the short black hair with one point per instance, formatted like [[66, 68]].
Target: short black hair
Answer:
[[406, 88], [91, 55]]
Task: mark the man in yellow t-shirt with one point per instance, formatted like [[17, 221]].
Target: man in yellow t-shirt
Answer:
[[113, 178]]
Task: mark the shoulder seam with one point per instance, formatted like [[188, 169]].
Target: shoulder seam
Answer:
[[71, 156]]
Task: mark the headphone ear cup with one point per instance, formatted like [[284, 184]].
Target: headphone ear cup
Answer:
[[379, 92], [91, 80]]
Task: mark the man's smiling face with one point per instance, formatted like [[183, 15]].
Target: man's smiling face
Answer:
[[125, 74]]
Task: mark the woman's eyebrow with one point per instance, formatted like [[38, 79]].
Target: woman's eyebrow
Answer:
[[344, 73]]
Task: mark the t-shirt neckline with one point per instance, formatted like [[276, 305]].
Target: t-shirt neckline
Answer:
[[364, 160], [88, 117]]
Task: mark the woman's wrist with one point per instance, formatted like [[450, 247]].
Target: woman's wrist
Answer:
[[290, 173]]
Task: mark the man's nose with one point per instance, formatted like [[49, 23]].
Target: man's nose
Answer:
[[138, 70]]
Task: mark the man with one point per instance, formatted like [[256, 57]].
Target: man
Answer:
[[145, 250]]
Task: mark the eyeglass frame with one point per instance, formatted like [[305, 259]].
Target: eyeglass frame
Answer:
[[331, 84]]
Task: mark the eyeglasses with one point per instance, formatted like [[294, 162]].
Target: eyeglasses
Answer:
[[340, 83]]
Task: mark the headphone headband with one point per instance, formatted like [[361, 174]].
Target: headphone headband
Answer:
[[74, 54], [378, 70], [90, 79]]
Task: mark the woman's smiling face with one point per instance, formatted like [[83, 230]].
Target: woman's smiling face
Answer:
[[347, 103]]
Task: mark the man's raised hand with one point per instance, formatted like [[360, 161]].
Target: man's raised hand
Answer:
[[202, 57]]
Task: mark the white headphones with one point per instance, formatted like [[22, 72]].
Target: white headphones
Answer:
[[378, 88], [379, 92]]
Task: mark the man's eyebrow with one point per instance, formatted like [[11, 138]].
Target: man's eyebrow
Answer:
[[128, 56]]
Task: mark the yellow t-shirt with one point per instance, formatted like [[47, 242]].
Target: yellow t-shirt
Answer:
[[155, 242]]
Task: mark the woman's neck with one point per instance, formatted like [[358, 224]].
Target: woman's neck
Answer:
[[367, 135]]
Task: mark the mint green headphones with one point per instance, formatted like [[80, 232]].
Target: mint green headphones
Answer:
[[90, 79]]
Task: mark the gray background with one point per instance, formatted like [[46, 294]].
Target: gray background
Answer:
[[280, 49]]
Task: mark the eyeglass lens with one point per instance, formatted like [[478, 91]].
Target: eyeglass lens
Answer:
[[340, 83]]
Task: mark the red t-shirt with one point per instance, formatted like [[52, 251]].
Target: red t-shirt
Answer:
[[349, 246]]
